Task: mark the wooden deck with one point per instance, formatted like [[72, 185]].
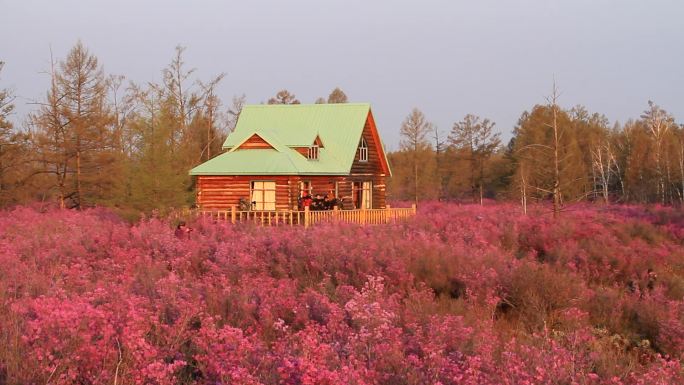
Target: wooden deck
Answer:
[[308, 217]]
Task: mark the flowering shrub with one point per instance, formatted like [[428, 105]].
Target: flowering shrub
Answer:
[[457, 295]]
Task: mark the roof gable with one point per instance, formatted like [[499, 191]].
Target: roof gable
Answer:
[[318, 142], [254, 142]]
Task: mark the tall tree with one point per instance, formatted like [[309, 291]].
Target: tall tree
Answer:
[[210, 114], [680, 161], [6, 106], [234, 111], [548, 156], [74, 131], [337, 96], [638, 164], [414, 131], [604, 166], [172, 127], [283, 97], [176, 76], [555, 144], [157, 172], [13, 151], [659, 123], [475, 139], [440, 149]]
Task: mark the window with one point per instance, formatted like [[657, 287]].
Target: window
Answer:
[[361, 195], [363, 151], [304, 186], [263, 195], [313, 152]]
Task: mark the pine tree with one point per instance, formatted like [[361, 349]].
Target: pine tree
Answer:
[[74, 132]]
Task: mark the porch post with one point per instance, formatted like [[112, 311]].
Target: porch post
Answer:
[[388, 214]]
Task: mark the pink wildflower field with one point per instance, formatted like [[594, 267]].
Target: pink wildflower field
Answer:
[[457, 295]]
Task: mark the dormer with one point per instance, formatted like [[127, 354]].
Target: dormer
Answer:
[[254, 142], [311, 152]]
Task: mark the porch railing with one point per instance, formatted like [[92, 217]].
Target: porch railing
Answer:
[[308, 217]]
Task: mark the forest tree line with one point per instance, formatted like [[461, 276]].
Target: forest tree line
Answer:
[[99, 139], [570, 154]]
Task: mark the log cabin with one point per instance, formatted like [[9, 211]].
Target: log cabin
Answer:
[[278, 152]]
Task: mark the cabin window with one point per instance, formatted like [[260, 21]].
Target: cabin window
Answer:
[[361, 195], [363, 151], [304, 186], [263, 195], [313, 152]]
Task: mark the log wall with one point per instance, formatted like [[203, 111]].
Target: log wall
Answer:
[[221, 192]]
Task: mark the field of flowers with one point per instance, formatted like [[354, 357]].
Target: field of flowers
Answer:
[[459, 295]]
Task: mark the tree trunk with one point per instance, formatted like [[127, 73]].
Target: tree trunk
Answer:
[[523, 190], [78, 177], [556, 165], [681, 169], [415, 180]]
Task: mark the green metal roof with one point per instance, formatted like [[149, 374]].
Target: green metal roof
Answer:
[[283, 126]]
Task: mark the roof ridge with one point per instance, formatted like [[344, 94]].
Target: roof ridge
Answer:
[[307, 105]]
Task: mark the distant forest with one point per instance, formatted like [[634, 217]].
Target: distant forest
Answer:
[[98, 139]]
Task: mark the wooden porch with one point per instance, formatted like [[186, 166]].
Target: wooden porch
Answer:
[[308, 217]]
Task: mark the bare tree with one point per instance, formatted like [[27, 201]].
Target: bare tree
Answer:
[[337, 96], [523, 188], [283, 97], [12, 149], [557, 193], [175, 79], [6, 105], [681, 162], [553, 149], [439, 154], [605, 166], [659, 123], [414, 131], [211, 104], [235, 110]]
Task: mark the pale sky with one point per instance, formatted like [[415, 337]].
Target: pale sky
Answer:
[[495, 59]]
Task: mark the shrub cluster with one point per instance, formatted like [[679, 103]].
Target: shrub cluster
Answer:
[[458, 295]]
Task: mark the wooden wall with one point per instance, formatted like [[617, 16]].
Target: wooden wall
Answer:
[[221, 192], [373, 169]]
